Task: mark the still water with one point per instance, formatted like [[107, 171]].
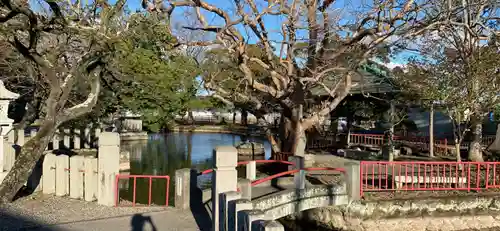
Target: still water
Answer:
[[162, 154]]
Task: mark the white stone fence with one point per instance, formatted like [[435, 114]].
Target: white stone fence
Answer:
[[78, 177], [87, 178], [72, 139]]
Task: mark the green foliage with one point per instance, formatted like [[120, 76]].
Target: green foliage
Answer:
[[156, 81], [496, 113]]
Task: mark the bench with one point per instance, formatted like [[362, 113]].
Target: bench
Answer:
[[400, 180]]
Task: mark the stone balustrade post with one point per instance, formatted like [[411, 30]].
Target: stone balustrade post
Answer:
[[108, 167], [300, 177], [76, 138], [182, 188], [90, 178], [86, 138], [55, 140], [49, 174], [228, 208], [272, 226], [66, 138], [76, 176], [245, 187], [224, 179], [251, 168], [353, 180], [240, 207], [251, 219], [62, 175]]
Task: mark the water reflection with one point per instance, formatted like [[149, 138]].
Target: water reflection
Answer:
[[162, 154]]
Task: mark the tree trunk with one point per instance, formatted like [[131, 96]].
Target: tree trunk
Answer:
[[28, 156], [475, 148], [190, 117], [244, 117], [431, 132], [458, 151], [299, 140], [390, 143]]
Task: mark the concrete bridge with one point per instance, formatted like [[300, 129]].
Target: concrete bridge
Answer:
[[249, 204]]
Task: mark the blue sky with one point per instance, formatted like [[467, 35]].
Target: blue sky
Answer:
[[272, 23]]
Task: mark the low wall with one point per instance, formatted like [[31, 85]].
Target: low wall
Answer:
[[224, 129], [419, 214]]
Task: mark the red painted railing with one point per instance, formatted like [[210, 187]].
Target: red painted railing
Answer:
[[376, 176], [134, 188], [246, 162], [268, 178]]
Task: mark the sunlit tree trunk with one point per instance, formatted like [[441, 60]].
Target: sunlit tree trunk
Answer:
[[475, 148]]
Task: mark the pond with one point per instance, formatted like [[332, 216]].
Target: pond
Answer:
[[162, 154]]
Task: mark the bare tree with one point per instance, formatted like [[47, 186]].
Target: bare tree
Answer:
[[68, 48], [313, 44], [457, 65]]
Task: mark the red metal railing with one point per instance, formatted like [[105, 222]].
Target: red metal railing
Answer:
[[134, 188], [367, 139], [246, 162], [321, 143], [376, 176], [268, 178]]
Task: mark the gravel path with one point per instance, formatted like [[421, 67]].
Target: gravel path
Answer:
[[39, 209]]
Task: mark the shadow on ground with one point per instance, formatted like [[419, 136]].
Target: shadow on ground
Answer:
[[14, 222], [139, 223], [198, 208]]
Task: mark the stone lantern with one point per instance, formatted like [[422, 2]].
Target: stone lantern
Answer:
[[6, 97]]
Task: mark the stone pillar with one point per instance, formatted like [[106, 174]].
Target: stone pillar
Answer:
[[49, 174], [62, 175], [76, 138], [182, 188], [245, 187], [224, 179], [250, 218], [228, 200], [86, 138], [55, 140], [95, 143], [272, 226], [66, 138], [251, 168], [353, 181], [300, 177], [90, 178], [108, 167], [76, 176], [240, 207]]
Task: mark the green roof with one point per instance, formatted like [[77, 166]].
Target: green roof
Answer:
[[371, 78]]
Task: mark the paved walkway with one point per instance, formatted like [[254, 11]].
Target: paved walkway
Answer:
[[172, 219]]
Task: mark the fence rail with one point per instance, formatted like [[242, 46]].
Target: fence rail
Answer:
[[134, 187], [377, 140], [376, 176]]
